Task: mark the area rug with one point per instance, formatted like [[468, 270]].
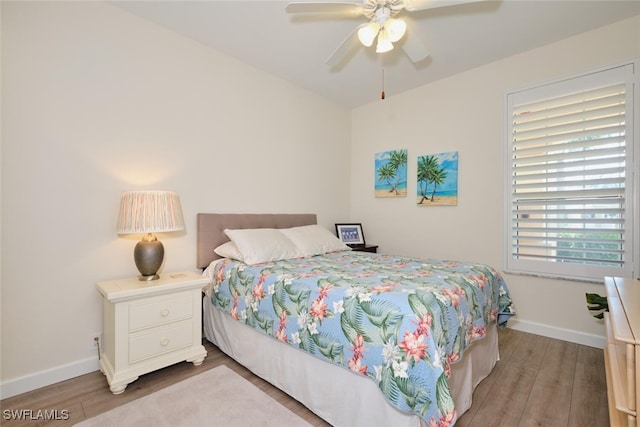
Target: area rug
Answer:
[[217, 397]]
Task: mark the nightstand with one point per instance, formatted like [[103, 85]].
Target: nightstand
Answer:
[[365, 248], [150, 325]]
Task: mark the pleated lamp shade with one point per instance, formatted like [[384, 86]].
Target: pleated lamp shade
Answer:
[[148, 212]]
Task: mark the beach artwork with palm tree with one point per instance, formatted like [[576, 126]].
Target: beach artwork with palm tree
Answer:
[[438, 179], [391, 173]]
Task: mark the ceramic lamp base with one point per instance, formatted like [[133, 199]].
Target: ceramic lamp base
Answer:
[[148, 255]]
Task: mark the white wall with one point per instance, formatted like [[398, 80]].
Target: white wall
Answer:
[[96, 102], [465, 113]]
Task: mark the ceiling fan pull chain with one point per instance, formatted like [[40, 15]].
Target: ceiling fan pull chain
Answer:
[[382, 95]]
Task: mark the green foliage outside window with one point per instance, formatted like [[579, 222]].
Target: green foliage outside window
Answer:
[[574, 251]]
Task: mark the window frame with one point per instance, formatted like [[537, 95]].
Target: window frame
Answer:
[[627, 72]]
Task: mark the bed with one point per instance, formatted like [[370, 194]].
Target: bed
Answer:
[[318, 323]]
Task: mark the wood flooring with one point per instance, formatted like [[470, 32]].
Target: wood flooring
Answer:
[[539, 381]]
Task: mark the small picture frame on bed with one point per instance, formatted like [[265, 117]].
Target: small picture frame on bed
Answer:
[[351, 234]]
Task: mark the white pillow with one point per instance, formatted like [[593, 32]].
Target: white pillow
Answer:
[[258, 245], [229, 250], [314, 240]]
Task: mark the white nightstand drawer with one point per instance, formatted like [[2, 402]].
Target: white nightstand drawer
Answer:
[[145, 345], [160, 310]]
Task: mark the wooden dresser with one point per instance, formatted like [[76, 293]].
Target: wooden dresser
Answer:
[[622, 354]]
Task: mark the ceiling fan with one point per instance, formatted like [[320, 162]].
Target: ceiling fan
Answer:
[[382, 24]]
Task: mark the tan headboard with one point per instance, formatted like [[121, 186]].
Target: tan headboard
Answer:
[[211, 228]]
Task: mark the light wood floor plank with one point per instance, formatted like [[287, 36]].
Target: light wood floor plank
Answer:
[[510, 392], [589, 399], [519, 386], [550, 395]]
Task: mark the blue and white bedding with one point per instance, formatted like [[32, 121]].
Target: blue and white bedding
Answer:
[[399, 321]]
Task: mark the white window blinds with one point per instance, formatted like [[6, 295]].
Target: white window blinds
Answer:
[[571, 177]]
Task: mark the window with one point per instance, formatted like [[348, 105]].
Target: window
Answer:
[[570, 204]]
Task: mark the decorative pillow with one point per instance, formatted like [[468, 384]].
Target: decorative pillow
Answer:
[[314, 240], [258, 245], [229, 250]]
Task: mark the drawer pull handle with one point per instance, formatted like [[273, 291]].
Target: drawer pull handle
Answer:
[[164, 342], [165, 312]]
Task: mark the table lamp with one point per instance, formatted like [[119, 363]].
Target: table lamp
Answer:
[[148, 212]]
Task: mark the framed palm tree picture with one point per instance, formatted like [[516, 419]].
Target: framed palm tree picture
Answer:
[[437, 178], [391, 173]]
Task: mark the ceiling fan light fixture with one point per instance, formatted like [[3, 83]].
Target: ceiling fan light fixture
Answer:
[[384, 44], [368, 33], [382, 14], [395, 29]]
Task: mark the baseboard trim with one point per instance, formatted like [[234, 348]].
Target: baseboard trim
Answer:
[[569, 335], [61, 373], [47, 377]]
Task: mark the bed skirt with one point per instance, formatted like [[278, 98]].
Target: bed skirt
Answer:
[[334, 393]]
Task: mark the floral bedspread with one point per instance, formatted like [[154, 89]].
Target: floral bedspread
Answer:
[[400, 321]]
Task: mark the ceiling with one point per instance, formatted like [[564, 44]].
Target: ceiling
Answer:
[[295, 47]]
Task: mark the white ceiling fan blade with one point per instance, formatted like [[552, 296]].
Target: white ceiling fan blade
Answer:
[[414, 48], [336, 8], [346, 48], [412, 5], [412, 43]]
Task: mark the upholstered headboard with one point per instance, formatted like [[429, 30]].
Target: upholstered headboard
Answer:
[[211, 228]]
